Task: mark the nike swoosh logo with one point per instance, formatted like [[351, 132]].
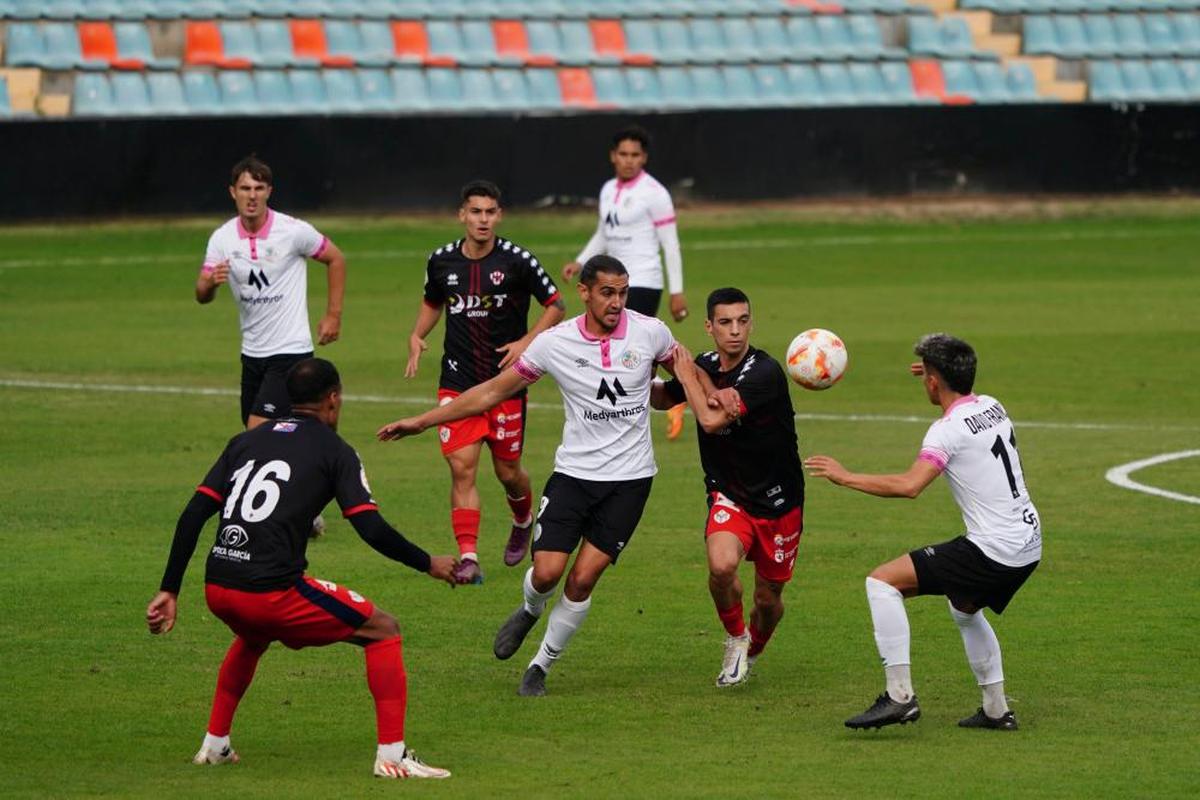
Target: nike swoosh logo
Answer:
[[737, 672]]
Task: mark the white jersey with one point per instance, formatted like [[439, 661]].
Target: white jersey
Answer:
[[268, 276], [975, 446], [605, 385], [636, 218]]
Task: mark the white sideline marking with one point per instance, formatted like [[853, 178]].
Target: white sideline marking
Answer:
[[125, 388], [719, 245], [1120, 476]]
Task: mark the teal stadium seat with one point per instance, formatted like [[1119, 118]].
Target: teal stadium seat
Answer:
[[834, 35], [740, 86], [708, 87], [803, 38], [273, 91], [342, 91], [237, 92], [1101, 35], [543, 40], [1160, 35], [957, 41], [510, 88], [770, 39], [897, 80], [1022, 85], [990, 82], [62, 47], [308, 91], [479, 92], [1039, 37], [708, 45], [378, 44], [1072, 38], [100, 9], [5, 104], [676, 85], [544, 90], [771, 85], [275, 45], [445, 88], [480, 45], [166, 94], [200, 89], [960, 79], [131, 97], [410, 89], [62, 9], [868, 84], [343, 37], [577, 44], [1104, 82], [200, 9], [239, 41], [1168, 83], [674, 42], [836, 86], [641, 36], [1189, 73], [1187, 33], [445, 39], [91, 96], [1131, 36], [738, 35], [133, 41], [375, 90], [611, 89], [805, 86], [1135, 77], [644, 91], [867, 39]]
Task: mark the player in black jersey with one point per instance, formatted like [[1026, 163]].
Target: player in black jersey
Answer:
[[485, 284], [267, 485], [752, 472]]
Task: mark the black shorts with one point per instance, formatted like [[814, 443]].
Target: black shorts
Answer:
[[643, 300], [603, 512], [264, 390], [959, 570]]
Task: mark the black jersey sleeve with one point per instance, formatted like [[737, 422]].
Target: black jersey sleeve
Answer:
[[187, 532], [388, 541], [433, 290], [759, 386], [537, 280], [350, 482], [674, 390]]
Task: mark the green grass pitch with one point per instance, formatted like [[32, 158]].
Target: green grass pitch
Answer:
[[1087, 329]]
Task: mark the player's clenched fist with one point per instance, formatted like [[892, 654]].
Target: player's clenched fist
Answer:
[[442, 568], [160, 614]]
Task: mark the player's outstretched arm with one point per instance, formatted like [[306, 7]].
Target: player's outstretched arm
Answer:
[[427, 318], [330, 326], [387, 541], [476, 400], [209, 279], [906, 484]]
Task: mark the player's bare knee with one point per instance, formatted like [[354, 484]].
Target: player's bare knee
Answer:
[[579, 587], [722, 571], [383, 625], [544, 578], [768, 596]]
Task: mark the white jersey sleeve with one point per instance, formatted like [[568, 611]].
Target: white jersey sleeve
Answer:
[[307, 240], [975, 446], [213, 254]]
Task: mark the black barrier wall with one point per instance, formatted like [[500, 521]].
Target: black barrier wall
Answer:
[[77, 168]]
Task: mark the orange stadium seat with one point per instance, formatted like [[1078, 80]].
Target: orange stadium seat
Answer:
[[928, 81], [513, 41], [203, 46], [608, 39], [98, 42], [308, 41], [412, 41], [577, 88]]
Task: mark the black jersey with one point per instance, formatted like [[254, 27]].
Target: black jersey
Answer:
[[487, 306], [271, 481], [754, 461]]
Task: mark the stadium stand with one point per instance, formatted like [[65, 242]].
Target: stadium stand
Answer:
[[140, 57]]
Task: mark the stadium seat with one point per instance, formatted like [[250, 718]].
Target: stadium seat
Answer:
[[1189, 73], [62, 48], [708, 86], [834, 36], [130, 94], [445, 39], [200, 89], [445, 88], [867, 39], [411, 42], [166, 93], [1168, 83], [61, 9], [541, 36], [92, 96], [674, 43], [410, 89], [610, 86], [5, 103], [479, 44], [1022, 85], [869, 88], [770, 39], [641, 37], [1101, 35], [805, 85], [991, 87], [1104, 82], [836, 86], [897, 82], [577, 89], [237, 92], [960, 78], [308, 41], [133, 42], [308, 91], [707, 43], [803, 39], [375, 90], [738, 35], [478, 90], [1135, 77], [676, 84], [771, 86], [576, 36], [1071, 38], [929, 83], [342, 91], [608, 40], [204, 46], [512, 42], [1039, 36], [1160, 35], [276, 47], [241, 45], [545, 91], [510, 89], [644, 91], [1187, 33], [1131, 37], [376, 44], [741, 88]]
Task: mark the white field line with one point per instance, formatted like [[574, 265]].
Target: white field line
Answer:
[[721, 245], [1120, 476], [125, 388]]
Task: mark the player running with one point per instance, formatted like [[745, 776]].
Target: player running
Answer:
[[637, 219], [267, 485], [748, 449], [975, 446], [485, 283], [263, 255], [604, 362]]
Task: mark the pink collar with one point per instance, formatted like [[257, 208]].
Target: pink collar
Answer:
[[629, 184], [966, 398], [618, 332], [261, 233]]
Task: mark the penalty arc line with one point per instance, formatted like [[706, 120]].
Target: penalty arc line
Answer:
[[1119, 475], [202, 391]]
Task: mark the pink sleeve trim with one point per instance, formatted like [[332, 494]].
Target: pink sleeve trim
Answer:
[[321, 248], [658, 223], [527, 371], [935, 457]]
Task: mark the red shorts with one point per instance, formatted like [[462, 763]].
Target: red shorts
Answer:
[[502, 426], [310, 614], [771, 544]]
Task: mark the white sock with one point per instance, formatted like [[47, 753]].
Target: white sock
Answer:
[[983, 654], [393, 751], [891, 637], [535, 601], [469, 557], [215, 744], [565, 619]]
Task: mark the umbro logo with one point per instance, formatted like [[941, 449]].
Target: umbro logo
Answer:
[[259, 280], [610, 393], [581, 362]]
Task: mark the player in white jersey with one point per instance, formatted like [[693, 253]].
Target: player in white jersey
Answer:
[[604, 362], [975, 446], [263, 256], [637, 219]]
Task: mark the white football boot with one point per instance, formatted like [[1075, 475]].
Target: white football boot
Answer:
[[735, 667], [210, 755], [409, 766]]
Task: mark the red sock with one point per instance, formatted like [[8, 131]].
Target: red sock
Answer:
[[731, 618], [237, 670], [389, 687], [465, 524], [758, 640], [520, 507]]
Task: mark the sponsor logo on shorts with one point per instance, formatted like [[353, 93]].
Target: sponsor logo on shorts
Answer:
[[620, 546], [501, 434], [781, 540], [501, 418], [779, 556], [774, 490], [929, 551], [444, 434], [721, 517], [514, 447]]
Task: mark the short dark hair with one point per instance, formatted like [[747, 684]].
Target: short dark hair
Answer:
[[951, 358], [598, 264], [308, 381], [257, 168], [634, 133], [725, 296], [480, 189]]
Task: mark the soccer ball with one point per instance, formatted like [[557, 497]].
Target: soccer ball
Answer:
[[816, 359]]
